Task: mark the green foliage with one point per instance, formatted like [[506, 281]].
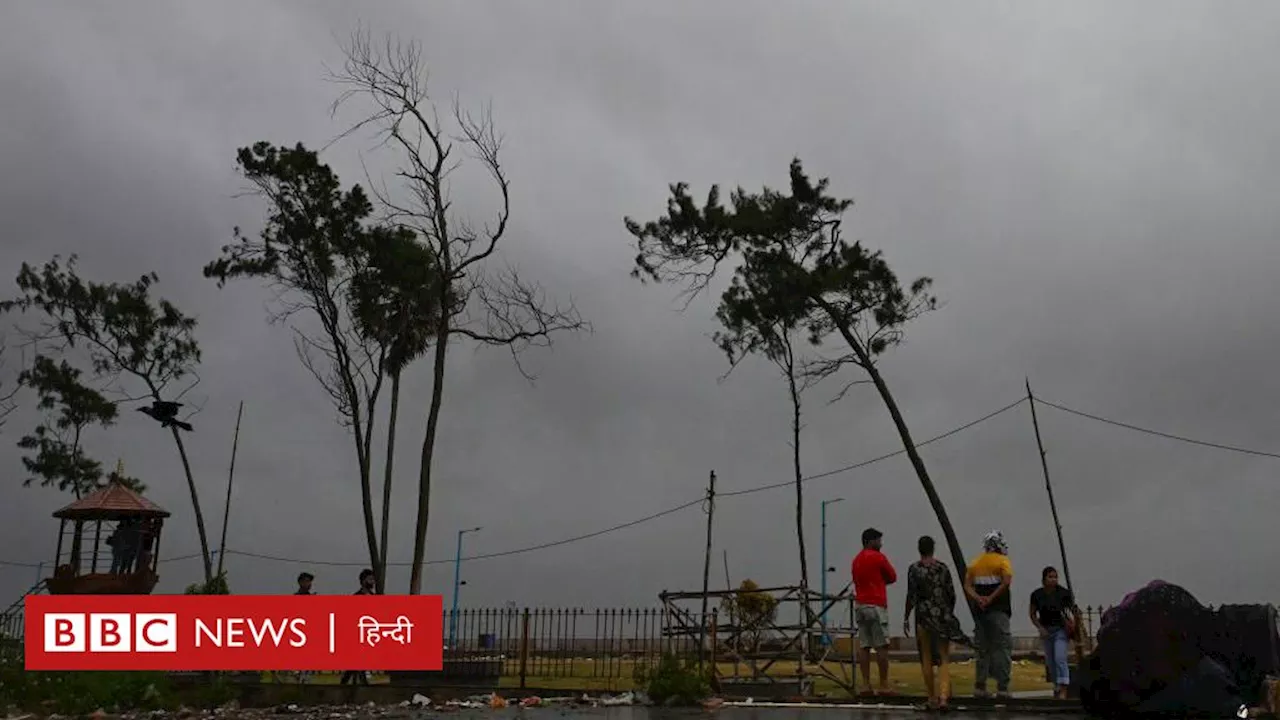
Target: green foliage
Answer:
[[58, 458], [674, 681], [122, 327], [397, 293], [130, 482], [217, 586], [751, 609], [81, 693], [791, 268], [369, 285], [313, 226]]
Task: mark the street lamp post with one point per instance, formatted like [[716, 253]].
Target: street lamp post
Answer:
[[822, 617], [457, 577]]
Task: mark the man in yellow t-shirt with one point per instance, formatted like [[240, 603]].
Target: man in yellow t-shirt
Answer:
[[986, 584]]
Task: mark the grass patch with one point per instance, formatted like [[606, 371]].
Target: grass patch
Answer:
[[81, 693]]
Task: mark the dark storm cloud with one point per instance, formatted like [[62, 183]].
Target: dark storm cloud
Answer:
[[1088, 183]]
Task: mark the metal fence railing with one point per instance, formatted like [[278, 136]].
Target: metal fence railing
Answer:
[[12, 626], [549, 643]]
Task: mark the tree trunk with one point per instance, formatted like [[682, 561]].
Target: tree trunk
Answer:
[[386, 482], [75, 463], [807, 618], [795, 460], [864, 358], [195, 506], [365, 457], [428, 452]]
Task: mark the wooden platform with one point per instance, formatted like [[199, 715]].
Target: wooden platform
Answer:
[[141, 583]]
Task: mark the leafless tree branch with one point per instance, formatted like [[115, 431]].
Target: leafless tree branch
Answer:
[[485, 306], [7, 394]]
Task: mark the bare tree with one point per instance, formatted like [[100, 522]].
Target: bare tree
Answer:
[[477, 302]]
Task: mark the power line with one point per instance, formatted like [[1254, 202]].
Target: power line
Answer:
[[33, 565], [655, 516], [1157, 433], [872, 461], [486, 556], [613, 528]]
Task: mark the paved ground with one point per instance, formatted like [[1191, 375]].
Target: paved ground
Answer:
[[412, 712]]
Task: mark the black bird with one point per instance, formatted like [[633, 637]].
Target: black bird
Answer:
[[166, 413]]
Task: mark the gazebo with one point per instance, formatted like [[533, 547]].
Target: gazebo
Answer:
[[121, 530]]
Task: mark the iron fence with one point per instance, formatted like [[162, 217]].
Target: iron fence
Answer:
[[537, 644]]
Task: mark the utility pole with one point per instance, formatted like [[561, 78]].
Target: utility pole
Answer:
[[706, 567], [231, 476], [457, 583], [822, 618], [1048, 486]]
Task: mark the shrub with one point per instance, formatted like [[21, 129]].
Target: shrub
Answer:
[[674, 682], [79, 693], [216, 586]]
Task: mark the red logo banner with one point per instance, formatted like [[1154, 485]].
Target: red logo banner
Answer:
[[234, 632]]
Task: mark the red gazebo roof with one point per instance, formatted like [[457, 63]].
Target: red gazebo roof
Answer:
[[112, 502]]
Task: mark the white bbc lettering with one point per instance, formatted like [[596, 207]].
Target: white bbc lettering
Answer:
[[155, 632], [110, 632], [64, 632]]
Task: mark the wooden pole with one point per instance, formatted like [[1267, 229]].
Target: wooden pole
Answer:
[[231, 476], [706, 568], [1053, 508], [1048, 486]]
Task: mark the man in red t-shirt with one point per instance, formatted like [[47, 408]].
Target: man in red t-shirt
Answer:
[[872, 573]]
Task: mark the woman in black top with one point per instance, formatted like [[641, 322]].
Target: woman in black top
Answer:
[[1053, 612]]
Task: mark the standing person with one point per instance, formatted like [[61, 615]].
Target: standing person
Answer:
[[360, 677], [146, 534], [872, 573], [1053, 612], [116, 542], [304, 588], [931, 592], [128, 535], [304, 583], [986, 584]]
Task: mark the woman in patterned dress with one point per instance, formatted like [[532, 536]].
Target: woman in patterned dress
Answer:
[[931, 592]]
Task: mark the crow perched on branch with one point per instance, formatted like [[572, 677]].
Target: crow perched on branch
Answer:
[[166, 413]]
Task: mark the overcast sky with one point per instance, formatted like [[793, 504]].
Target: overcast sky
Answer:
[[1088, 183]]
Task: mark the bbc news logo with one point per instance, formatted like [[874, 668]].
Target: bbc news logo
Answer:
[[236, 632], [110, 632]]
